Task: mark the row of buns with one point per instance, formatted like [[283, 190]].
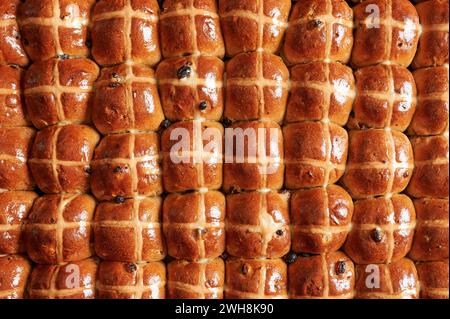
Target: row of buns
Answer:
[[330, 276], [143, 32]]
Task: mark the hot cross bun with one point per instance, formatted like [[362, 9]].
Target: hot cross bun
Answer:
[[253, 25], [319, 30], [194, 225], [258, 224], [121, 280], [14, 274], [433, 277], [58, 229], [60, 91], [196, 25], [126, 30], [127, 165], [53, 28], [380, 162], [382, 230], [129, 230], [256, 279], [196, 280], [321, 219], [12, 106], [61, 157]]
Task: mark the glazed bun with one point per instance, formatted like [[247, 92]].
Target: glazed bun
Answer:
[[433, 278], [12, 106], [14, 274]]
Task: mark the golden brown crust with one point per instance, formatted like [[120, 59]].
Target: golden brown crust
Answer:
[[256, 279], [258, 225], [60, 158], [194, 225], [191, 27], [386, 98], [12, 106], [321, 219], [316, 154], [192, 156], [129, 231], [192, 87], [52, 28], [59, 229], [253, 25], [392, 38], [126, 30], [394, 281], [126, 98], [120, 280], [319, 30], [256, 87], [15, 147], [264, 169], [196, 280], [432, 115], [127, 165], [431, 175], [11, 48], [14, 274], [328, 276], [14, 209], [433, 278], [431, 236], [433, 45], [380, 163], [75, 280], [321, 91], [382, 230], [60, 91]]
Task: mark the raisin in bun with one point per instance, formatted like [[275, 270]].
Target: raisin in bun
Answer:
[[61, 156], [392, 38], [258, 224], [51, 28], [14, 274], [195, 280], [74, 280], [433, 277], [12, 106], [190, 27], [127, 165], [380, 162], [194, 225], [256, 159], [256, 279], [14, 209], [59, 229], [431, 236], [192, 87], [382, 230], [129, 230], [15, 149], [397, 280], [60, 91], [321, 219], [253, 25], [320, 91], [386, 98], [126, 31], [319, 30], [326, 276], [192, 156], [122, 280], [433, 44], [126, 99], [316, 153], [11, 48]]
